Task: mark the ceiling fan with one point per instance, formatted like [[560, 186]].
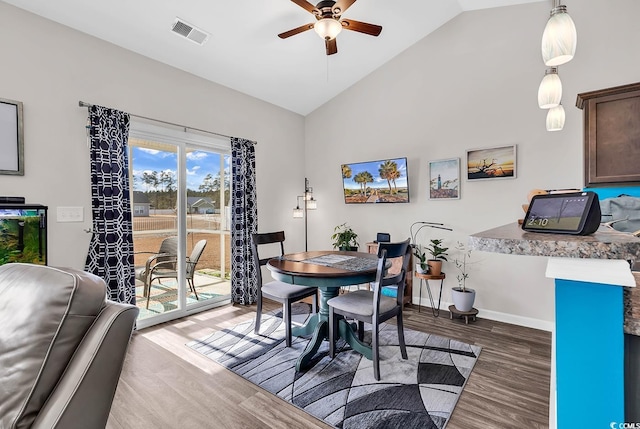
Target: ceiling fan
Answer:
[[328, 23]]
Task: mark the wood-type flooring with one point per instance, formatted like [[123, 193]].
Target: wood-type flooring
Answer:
[[165, 384]]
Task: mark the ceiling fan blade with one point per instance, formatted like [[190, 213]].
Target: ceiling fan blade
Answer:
[[295, 31], [361, 27], [332, 46], [305, 5], [342, 5]]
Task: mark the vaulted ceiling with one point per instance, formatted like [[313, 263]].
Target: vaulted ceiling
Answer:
[[243, 51]]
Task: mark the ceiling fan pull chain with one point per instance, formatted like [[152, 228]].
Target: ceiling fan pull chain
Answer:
[[327, 56]]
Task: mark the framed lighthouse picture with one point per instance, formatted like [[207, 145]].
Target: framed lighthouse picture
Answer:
[[444, 179]]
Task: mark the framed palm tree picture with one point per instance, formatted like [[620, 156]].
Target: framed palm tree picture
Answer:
[[444, 179], [383, 181]]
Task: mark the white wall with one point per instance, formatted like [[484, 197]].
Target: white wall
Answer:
[[471, 84], [50, 68]]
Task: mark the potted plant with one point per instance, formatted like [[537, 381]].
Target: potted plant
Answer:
[[421, 267], [438, 254], [344, 238], [462, 296]]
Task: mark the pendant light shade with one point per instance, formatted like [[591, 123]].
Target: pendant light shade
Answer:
[[328, 28], [298, 212], [550, 90], [560, 38], [555, 118]]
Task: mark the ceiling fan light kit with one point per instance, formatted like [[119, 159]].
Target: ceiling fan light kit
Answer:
[[328, 28], [329, 22]]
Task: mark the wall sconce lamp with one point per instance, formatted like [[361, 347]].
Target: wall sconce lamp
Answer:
[[309, 203]]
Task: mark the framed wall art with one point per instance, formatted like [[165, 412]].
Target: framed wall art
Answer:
[[444, 179], [383, 181], [11, 138], [491, 164]]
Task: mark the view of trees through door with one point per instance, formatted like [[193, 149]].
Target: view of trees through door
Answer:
[[156, 184]]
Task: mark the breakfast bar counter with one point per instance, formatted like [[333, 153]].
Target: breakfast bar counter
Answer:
[[588, 354], [605, 243]]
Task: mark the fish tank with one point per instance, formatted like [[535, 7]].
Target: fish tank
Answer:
[[23, 233]]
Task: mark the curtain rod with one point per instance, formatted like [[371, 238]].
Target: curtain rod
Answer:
[[83, 104]]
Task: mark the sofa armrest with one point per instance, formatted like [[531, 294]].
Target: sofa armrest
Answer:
[[83, 396]]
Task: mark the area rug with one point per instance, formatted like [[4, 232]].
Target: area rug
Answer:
[[420, 392]]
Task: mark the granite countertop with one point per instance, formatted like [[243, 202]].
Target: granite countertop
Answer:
[[605, 243], [632, 307]]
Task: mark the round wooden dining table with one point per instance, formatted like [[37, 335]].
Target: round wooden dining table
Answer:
[[327, 270]]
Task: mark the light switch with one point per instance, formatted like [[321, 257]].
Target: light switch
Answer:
[[70, 214]]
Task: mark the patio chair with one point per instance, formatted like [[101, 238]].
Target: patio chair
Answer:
[[167, 269], [371, 306], [168, 252], [281, 292]]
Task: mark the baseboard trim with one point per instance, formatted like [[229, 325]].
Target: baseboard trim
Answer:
[[513, 319]]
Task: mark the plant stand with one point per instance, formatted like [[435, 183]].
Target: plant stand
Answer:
[[463, 314], [426, 277]]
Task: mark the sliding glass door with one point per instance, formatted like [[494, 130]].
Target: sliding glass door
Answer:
[[155, 224], [208, 193], [180, 196]]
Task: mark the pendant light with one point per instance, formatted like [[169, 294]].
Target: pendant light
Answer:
[[550, 89], [555, 118], [560, 38], [559, 41]]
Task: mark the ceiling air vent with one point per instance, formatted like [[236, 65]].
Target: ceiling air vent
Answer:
[[189, 31]]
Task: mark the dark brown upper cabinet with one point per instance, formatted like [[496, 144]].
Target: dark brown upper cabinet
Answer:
[[611, 135]]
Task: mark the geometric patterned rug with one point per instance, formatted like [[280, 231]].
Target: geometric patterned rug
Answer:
[[420, 392]]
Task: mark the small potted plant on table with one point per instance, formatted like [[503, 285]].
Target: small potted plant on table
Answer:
[[462, 296], [421, 267], [344, 238], [438, 254]]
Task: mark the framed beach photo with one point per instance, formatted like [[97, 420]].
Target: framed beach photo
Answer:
[[383, 181], [491, 164], [444, 179], [11, 138]]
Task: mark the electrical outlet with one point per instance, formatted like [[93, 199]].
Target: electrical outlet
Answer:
[[70, 214]]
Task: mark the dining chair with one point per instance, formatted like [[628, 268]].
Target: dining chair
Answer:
[[281, 292], [371, 306], [168, 252], [168, 269]]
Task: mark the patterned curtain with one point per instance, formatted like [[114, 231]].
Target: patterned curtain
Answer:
[[111, 248], [244, 221]]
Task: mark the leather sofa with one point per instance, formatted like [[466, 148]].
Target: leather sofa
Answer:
[[62, 347]]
